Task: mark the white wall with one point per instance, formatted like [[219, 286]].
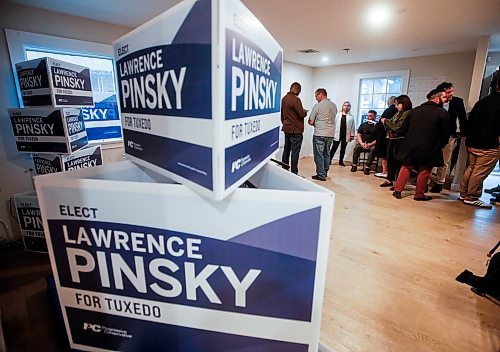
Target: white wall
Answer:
[[14, 177], [425, 71], [456, 68], [304, 75]]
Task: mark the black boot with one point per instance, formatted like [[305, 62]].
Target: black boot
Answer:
[[437, 188]]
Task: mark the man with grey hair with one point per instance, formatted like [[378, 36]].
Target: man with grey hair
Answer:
[[322, 117]]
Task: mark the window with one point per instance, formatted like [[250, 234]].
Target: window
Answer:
[[103, 121], [374, 90]]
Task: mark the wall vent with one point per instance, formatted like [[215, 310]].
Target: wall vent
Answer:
[[308, 51]]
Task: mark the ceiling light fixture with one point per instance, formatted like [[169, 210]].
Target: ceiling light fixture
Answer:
[[324, 59], [378, 16]]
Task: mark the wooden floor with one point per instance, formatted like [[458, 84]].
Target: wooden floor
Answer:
[[392, 267], [391, 276]]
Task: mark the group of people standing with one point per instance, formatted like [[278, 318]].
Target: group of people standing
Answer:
[[331, 129], [406, 139]]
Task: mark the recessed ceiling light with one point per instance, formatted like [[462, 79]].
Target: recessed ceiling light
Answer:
[[324, 59], [378, 16]]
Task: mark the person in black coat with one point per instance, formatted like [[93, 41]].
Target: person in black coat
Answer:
[[422, 147], [456, 111], [397, 128], [382, 141]]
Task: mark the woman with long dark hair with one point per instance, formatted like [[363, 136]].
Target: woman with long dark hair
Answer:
[[397, 128]]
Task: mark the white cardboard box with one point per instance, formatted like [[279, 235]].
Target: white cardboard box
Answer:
[[83, 158], [48, 130], [142, 261], [200, 91], [30, 221], [50, 82]]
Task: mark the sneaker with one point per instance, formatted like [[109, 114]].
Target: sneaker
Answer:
[[495, 200], [396, 194], [354, 168], [319, 178], [461, 198], [437, 188], [386, 183], [478, 203], [366, 171], [381, 175], [494, 189], [341, 163]]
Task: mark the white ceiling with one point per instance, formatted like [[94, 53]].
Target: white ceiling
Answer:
[[417, 27]]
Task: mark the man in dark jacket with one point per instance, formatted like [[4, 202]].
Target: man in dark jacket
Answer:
[[366, 139], [292, 118], [482, 141], [422, 147], [456, 111]]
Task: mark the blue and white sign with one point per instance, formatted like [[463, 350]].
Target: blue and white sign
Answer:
[[197, 101], [56, 83], [83, 158], [161, 281], [47, 163], [48, 130], [102, 122], [30, 221]]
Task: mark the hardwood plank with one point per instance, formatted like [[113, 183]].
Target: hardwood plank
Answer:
[[392, 267]]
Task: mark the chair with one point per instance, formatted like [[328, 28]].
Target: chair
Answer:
[[363, 158]]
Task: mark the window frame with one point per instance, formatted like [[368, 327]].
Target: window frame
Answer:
[[18, 42], [405, 79]]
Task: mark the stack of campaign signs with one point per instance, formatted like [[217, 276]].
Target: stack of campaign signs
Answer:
[[51, 127], [164, 251]]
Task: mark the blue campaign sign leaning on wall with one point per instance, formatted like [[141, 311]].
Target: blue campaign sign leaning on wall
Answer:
[[30, 221], [103, 120]]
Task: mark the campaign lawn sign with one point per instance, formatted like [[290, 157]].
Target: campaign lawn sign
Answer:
[[200, 90], [48, 130], [89, 156], [50, 82], [144, 263], [30, 221]]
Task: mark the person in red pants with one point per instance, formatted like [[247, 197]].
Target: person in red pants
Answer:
[[422, 147]]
